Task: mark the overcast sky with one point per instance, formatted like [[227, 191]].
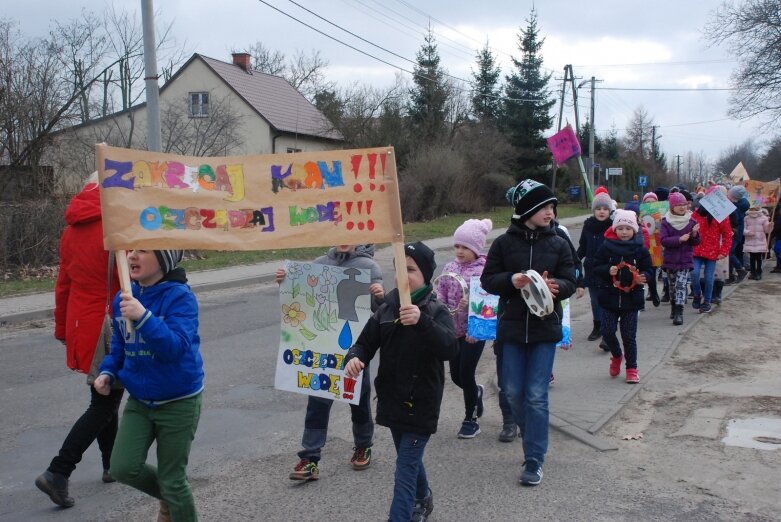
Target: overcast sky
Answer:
[[626, 44]]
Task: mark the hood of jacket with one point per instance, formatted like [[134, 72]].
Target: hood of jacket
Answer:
[[85, 206]]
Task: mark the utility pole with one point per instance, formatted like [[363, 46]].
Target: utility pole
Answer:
[[678, 168], [569, 77], [154, 140]]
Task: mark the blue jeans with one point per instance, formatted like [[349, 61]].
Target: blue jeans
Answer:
[[736, 254], [410, 479], [462, 371], [777, 251], [318, 411], [526, 370], [710, 269]]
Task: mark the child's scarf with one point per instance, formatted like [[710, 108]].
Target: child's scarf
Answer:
[[678, 222]]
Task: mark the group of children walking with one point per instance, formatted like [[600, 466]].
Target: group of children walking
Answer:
[[155, 347]]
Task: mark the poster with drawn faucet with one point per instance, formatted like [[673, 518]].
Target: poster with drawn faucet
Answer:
[[322, 310]]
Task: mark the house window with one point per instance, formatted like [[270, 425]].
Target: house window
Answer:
[[291, 149], [199, 104]]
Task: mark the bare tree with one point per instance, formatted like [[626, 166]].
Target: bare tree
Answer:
[[217, 134], [638, 134], [267, 60], [752, 32], [744, 153]]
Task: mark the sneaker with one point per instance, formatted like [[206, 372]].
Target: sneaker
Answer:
[[632, 377], [423, 508], [604, 346], [730, 281], [740, 275], [776, 270], [532, 473], [480, 391], [615, 366], [705, 308], [469, 429], [552, 380], [107, 478], [361, 458], [164, 513], [696, 301], [305, 470], [56, 486], [509, 432]]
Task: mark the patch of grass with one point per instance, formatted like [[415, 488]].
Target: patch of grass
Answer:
[[211, 259]]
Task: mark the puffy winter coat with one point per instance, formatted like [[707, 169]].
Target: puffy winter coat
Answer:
[[612, 252], [450, 292], [755, 229], [715, 238], [81, 292], [160, 361], [517, 250], [411, 375], [591, 238], [677, 255]]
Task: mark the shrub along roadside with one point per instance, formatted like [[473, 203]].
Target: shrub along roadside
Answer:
[[42, 280]]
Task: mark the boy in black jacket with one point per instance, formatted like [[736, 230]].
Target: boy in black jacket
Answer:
[[528, 342], [620, 290], [415, 341]]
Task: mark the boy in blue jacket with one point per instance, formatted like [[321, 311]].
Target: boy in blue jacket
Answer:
[[160, 364]]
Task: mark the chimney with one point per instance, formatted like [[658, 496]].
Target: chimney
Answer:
[[242, 60]]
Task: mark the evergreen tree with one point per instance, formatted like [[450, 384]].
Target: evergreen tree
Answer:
[[485, 97], [527, 107], [426, 107], [611, 144]]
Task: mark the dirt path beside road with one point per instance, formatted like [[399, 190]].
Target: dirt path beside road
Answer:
[[728, 367]]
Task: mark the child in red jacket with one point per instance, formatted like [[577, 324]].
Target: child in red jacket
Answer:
[[715, 243]]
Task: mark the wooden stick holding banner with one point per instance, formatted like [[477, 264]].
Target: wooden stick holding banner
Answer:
[[123, 270]]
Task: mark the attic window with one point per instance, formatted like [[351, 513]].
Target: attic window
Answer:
[[199, 104]]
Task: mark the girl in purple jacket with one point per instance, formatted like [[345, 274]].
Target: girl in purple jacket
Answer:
[[469, 243], [679, 233]]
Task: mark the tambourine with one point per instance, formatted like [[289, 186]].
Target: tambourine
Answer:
[[458, 279], [537, 295], [635, 277]]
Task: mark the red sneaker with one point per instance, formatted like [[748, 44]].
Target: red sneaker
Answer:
[[632, 377], [615, 366]]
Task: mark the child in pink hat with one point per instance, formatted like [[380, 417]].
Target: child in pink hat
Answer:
[[469, 246]]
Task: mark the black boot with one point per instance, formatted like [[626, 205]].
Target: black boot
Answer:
[[666, 291], [654, 292], [718, 286], [594, 335], [672, 309], [56, 486], [678, 318]]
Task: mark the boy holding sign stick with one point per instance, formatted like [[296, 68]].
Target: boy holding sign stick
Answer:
[[318, 409], [415, 339]]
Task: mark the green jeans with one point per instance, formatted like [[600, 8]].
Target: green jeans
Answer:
[[173, 425]]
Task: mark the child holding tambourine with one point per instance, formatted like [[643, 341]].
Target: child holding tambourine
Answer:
[[622, 266], [452, 289]]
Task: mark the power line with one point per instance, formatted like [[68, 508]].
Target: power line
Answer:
[[664, 89], [418, 75], [643, 64]]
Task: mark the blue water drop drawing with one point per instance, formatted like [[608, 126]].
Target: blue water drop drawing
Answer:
[[345, 336]]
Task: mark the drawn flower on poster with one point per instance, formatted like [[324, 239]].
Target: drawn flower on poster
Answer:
[[293, 315]]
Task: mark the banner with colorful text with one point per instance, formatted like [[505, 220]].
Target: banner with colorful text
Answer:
[[323, 309], [161, 201]]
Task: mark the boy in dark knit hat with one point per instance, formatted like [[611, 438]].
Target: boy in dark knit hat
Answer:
[[528, 342], [415, 340], [160, 364]]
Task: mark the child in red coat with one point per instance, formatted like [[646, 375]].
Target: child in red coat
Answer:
[[715, 243]]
